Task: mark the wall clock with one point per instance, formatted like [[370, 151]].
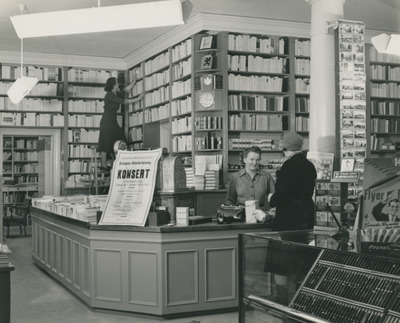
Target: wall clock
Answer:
[[207, 100]]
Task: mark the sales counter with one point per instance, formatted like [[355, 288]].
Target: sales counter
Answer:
[[161, 271]]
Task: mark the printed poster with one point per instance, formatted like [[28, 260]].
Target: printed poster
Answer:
[[132, 186], [381, 206]]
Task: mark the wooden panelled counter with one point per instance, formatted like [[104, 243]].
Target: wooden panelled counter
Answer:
[[152, 270]]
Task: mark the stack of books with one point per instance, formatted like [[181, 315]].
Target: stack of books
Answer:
[[189, 177], [4, 262], [211, 180]]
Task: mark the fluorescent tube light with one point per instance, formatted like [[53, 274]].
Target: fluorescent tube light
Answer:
[[386, 44], [99, 19], [21, 87]]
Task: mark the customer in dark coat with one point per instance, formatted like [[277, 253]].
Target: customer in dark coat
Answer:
[[294, 188]]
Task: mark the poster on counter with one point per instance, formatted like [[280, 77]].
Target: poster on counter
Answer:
[[132, 186], [381, 206]]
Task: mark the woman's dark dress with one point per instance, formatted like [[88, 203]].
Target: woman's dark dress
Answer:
[[110, 131]]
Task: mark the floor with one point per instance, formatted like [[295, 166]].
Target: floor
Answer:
[[35, 297]]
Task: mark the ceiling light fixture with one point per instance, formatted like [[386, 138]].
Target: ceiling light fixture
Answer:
[[101, 19], [386, 44], [23, 85]]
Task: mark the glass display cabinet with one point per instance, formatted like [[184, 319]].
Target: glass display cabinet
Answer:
[[300, 276]]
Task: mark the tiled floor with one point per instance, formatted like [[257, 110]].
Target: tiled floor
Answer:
[[37, 298]]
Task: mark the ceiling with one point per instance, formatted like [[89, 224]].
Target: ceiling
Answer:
[[382, 15]]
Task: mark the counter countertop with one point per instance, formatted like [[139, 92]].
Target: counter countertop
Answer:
[[161, 229]]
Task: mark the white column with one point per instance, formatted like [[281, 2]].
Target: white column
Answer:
[[322, 73]]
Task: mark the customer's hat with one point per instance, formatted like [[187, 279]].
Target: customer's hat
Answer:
[[292, 141]]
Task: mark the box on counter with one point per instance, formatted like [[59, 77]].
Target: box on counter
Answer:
[[250, 207]]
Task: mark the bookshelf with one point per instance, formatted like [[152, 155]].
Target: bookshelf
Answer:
[[302, 82], [216, 93], [43, 107], [384, 98], [20, 167], [85, 101]]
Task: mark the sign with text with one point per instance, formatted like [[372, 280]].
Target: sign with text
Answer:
[[132, 185]]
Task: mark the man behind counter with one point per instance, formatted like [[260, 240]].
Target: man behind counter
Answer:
[[294, 188], [251, 183]]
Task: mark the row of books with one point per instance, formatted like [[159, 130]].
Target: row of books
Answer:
[[158, 96], [208, 140], [302, 47], [302, 123], [181, 125], [181, 88], [181, 69], [31, 119], [135, 134], [257, 122], [13, 197], [83, 135], [385, 125], [382, 143], [26, 155], [255, 44], [181, 50], [157, 63], [136, 119], [156, 80], [137, 88], [257, 103], [388, 90], [156, 114], [26, 168], [81, 75], [302, 104], [385, 108], [79, 166], [85, 91], [29, 104], [182, 143], [25, 143], [86, 121], [250, 63], [208, 123], [26, 179], [86, 106], [263, 144], [136, 72], [302, 66], [374, 56], [82, 151], [179, 107], [255, 83], [41, 73]]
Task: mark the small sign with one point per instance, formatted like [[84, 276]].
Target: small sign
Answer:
[[182, 216], [345, 177], [396, 160]]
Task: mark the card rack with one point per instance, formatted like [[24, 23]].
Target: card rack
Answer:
[[344, 287]]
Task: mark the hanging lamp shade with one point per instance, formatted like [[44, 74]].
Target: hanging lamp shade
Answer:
[[386, 44], [100, 19], [21, 87]]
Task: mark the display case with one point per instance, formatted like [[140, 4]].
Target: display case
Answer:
[[284, 277]]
